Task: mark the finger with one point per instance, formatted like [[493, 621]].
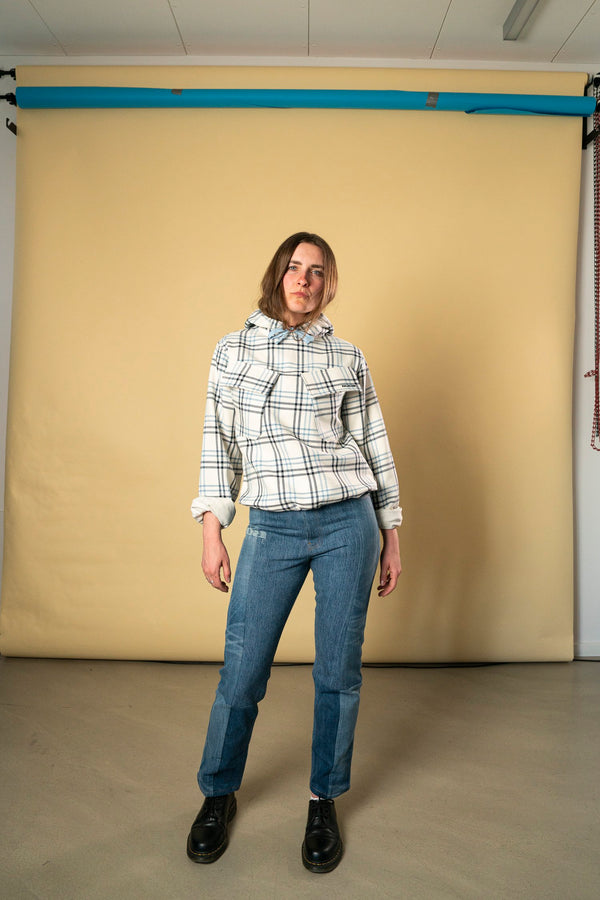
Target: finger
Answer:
[[226, 571], [217, 584], [386, 589], [213, 579]]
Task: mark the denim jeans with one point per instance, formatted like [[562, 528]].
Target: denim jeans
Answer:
[[339, 542]]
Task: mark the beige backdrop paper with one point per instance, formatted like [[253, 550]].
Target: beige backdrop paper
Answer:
[[142, 236]]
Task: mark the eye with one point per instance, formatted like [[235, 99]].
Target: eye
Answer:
[[291, 267], [317, 272]]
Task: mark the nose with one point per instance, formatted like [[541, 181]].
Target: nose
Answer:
[[302, 279]]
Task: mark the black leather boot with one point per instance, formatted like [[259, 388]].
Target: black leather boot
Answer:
[[209, 835], [322, 848]]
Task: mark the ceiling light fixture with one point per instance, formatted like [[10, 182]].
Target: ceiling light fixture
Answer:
[[518, 18]]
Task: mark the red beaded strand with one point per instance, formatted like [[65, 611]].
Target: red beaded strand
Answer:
[[595, 372]]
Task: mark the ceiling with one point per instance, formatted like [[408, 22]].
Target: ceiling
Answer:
[[558, 32]]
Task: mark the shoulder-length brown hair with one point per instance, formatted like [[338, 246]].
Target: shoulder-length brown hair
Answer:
[[272, 302]]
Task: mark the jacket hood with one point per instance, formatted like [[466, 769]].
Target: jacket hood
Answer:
[[318, 329]]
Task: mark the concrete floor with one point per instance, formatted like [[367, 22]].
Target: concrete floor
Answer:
[[477, 782]]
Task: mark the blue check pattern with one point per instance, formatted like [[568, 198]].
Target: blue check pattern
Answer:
[[293, 421]]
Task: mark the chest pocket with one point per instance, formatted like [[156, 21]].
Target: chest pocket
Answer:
[[327, 388], [250, 386]]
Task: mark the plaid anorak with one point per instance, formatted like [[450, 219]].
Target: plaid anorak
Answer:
[[295, 413]]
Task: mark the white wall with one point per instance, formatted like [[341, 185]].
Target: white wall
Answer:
[[586, 460], [8, 157]]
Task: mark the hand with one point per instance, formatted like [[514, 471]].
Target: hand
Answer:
[[214, 556], [391, 566]]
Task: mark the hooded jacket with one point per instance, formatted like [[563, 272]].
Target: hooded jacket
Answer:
[[294, 412]]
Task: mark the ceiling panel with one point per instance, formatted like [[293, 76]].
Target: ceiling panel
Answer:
[[119, 27], [562, 31], [22, 31], [584, 43], [473, 30], [243, 28], [380, 28]]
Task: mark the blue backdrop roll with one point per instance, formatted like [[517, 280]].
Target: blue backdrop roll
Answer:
[[49, 97]]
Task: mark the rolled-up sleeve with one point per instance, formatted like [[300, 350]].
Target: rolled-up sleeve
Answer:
[[221, 460]]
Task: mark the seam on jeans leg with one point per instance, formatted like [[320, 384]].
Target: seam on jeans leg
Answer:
[[343, 637], [239, 671]]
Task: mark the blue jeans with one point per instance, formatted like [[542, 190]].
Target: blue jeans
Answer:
[[340, 543]]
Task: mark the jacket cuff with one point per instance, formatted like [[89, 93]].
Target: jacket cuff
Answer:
[[389, 518], [223, 509]]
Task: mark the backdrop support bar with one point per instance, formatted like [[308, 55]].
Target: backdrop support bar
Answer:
[[94, 97]]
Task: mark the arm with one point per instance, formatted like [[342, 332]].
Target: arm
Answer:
[[376, 449], [221, 462], [220, 476], [362, 417], [365, 422], [391, 566], [214, 556]]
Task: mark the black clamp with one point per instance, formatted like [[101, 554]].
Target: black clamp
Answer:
[[592, 135], [9, 98]]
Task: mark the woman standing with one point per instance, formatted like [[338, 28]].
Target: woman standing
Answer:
[[292, 408]]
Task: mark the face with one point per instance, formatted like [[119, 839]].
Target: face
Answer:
[[302, 283]]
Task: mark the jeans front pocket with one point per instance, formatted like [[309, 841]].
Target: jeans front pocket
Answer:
[[327, 388], [250, 385]]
